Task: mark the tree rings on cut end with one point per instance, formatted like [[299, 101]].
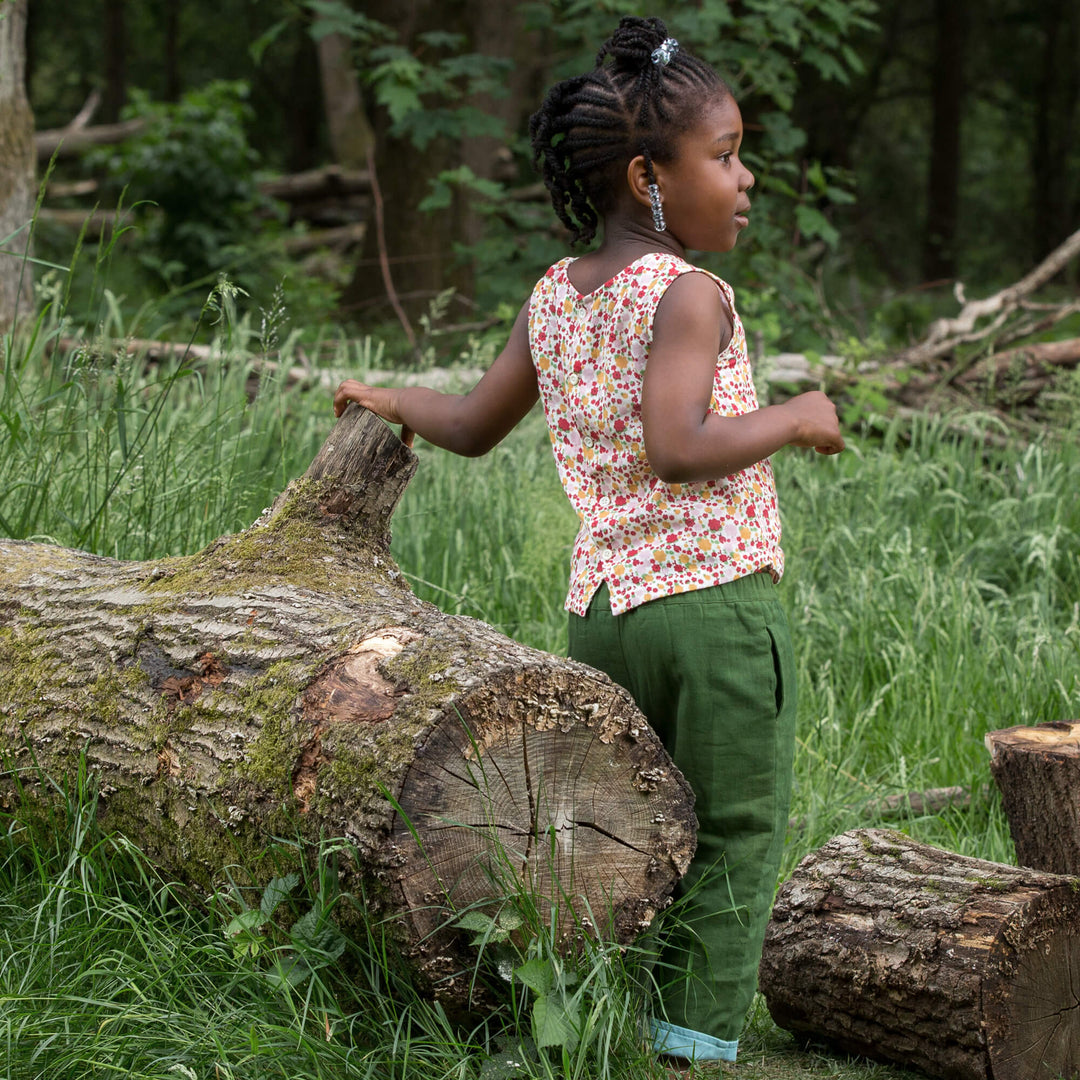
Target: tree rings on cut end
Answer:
[[544, 794], [1032, 1011]]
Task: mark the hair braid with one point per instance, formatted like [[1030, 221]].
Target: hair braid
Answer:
[[590, 126]]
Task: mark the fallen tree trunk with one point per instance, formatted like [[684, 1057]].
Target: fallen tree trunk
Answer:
[[286, 681], [962, 968], [1037, 770]]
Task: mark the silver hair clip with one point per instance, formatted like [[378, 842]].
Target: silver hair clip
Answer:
[[665, 53]]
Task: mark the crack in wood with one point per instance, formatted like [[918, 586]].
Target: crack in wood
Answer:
[[611, 836], [532, 799]]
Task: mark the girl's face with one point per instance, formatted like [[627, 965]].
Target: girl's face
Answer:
[[704, 188]]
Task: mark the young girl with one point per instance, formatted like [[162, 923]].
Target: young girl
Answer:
[[640, 361]]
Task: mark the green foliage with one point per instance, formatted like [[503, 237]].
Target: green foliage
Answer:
[[424, 87], [302, 949], [192, 161], [424, 92]]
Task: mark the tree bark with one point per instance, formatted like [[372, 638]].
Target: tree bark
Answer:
[[892, 949], [16, 166], [285, 681], [1037, 770]]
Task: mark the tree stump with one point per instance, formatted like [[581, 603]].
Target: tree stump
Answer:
[[285, 681], [1037, 770], [962, 968]]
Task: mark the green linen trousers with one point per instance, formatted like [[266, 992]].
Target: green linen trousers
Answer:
[[714, 673]]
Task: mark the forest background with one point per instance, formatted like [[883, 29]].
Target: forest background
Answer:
[[897, 146], [187, 320]]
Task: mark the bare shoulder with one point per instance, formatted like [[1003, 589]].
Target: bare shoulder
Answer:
[[693, 307]]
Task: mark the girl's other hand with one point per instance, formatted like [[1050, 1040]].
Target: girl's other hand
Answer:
[[381, 400], [816, 422]]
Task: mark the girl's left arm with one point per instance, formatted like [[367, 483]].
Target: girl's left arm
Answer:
[[469, 424]]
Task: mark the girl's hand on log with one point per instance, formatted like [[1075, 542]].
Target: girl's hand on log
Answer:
[[816, 422], [381, 400]]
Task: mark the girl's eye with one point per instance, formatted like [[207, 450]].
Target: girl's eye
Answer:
[[726, 157]]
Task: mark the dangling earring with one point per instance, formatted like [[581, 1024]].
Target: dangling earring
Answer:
[[659, 224]]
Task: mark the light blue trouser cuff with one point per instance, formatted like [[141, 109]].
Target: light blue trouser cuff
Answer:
[[682, 1042]]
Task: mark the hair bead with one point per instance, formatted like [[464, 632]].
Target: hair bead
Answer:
[[665, 52]]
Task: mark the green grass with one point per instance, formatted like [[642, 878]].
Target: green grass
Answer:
[[932, 586]]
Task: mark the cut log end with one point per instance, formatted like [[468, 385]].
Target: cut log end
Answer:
[[1037, 770], [586, 821], [1033, 1013]]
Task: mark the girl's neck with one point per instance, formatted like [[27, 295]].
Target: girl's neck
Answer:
[[625, 241]]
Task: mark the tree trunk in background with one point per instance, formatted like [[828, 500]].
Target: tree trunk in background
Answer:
[[965, 969], [947, 99], [1056, 178], [114, 30], [494, 31], [351, 136], [300, 99], [17, 161], [286, 682], [421, 246]]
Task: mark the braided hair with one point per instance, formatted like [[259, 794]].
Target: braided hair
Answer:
[[590, 126]]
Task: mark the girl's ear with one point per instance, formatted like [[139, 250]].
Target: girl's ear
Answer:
[[637, 177]]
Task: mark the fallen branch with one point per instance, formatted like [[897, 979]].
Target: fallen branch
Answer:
[[325, 183], [946, 335], [911, 803], [1031, 360], [342, 238], [69, 142]]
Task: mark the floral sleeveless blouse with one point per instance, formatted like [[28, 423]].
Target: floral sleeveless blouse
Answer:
[[645, 538]]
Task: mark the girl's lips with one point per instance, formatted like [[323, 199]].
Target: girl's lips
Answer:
[[742, 220]]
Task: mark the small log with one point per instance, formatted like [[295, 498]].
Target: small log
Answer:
[[286, 682], [892, 949], [72, 141], [1037, 770], [317, 184]]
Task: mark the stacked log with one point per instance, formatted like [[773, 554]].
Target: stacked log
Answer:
[[286, 682], [892, 949]]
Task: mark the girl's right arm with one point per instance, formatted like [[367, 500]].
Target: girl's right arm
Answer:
[[469, 424], [684, 440]]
